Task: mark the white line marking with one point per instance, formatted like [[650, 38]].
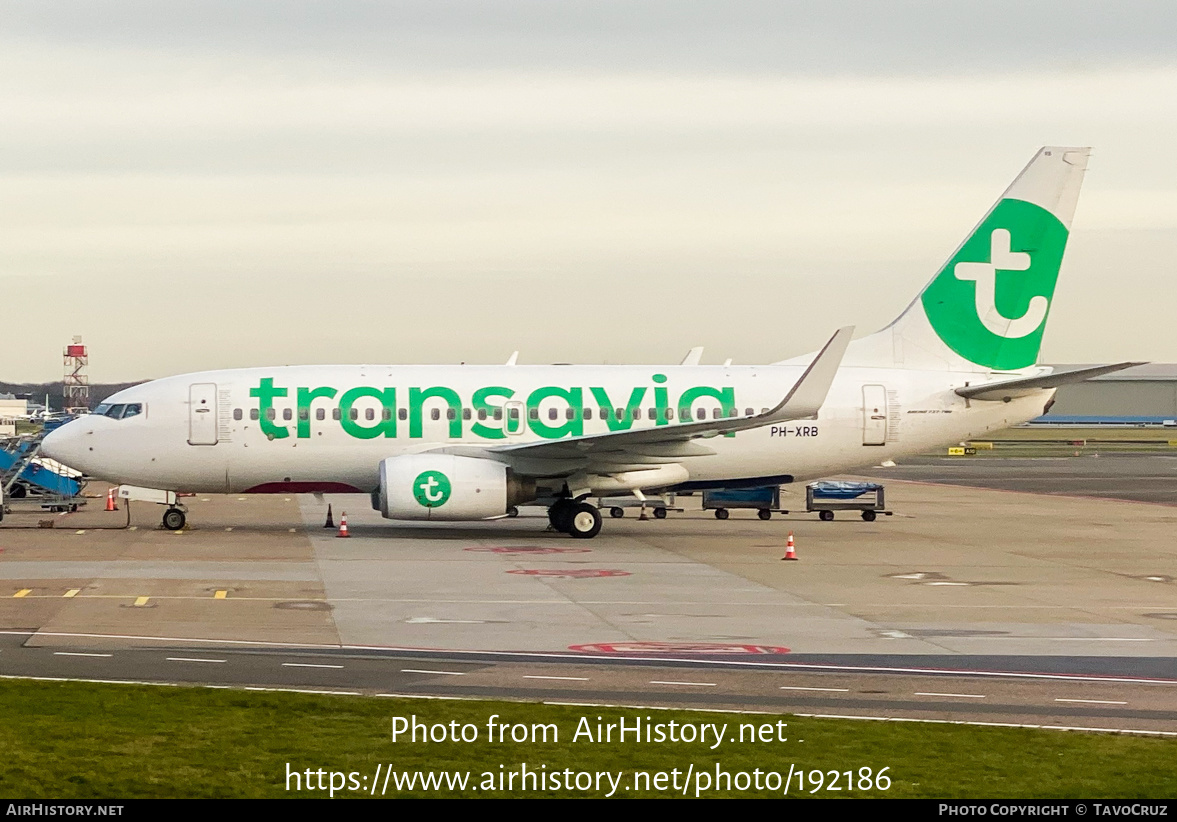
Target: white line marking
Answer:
[[799, 688], [419, 671], [78, 653], [1093, 701], [429, 696], [565, 678], [961, 696], [727, 663], [989, 724], [671, 682], [190, 659], [307, 665]]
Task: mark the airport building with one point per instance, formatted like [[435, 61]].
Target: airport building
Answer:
[[1144, 391]]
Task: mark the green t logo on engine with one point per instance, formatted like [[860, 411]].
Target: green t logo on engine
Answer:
[[431, 488]]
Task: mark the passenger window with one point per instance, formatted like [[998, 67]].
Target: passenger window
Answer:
[[253, 414], [620, 413], [637, 413], [715, 413], [533, 413], [369, 414], [605, 413], [700, 413], [570, 413], [451, 414], [304, 413], [237, 414], [287, 414], [651, 413], [588, 413], [732, 413], [481, 413], [684, 413], [354, 413], [320, 414], [669, 413], [747, 412], [271, 414], [336, 414], [435, 414], [499, 414], [552, 413], [402, 413], [386, 414], [467, 413]]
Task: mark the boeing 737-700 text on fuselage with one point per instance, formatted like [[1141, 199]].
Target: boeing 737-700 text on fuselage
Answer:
[[470, 442]]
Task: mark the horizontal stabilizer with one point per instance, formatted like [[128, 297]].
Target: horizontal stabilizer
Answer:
[[1012, 389]]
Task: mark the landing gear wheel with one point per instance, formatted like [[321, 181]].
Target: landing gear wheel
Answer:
[[721, 513], [584, 522], [659, 513], [560, 514], [512, 511], [617, 513], [826, 516], [764, 513], [868, 516], [174, 519]]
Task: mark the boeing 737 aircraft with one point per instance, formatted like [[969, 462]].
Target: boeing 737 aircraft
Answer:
[[470, 442]]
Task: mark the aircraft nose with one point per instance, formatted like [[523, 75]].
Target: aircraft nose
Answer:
[[64, 445]]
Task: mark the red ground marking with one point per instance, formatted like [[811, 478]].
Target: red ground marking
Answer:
[[676, 648], [526, 549], [571, 573]]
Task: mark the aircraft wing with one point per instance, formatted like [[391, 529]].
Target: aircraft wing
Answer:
[[1012, 389], [668, 442]]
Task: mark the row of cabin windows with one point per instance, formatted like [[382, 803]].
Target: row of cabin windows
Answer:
[[497, 413]]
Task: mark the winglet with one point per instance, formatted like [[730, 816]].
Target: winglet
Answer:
[[694, 356], [514, 358], [808, 394]]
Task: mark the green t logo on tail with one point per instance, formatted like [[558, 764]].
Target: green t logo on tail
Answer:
[[432, 488], [990, 302]]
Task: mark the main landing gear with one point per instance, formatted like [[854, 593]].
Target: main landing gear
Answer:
[[577, 519]]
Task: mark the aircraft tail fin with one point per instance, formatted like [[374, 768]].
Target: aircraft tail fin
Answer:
[[987, 307]]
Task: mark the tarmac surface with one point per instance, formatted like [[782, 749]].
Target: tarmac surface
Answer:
[[1074, 594]]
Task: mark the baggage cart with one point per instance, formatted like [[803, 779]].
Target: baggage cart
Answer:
[[829, 496], [764, 499]]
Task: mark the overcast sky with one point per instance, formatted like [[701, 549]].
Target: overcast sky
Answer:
[[218, 184]]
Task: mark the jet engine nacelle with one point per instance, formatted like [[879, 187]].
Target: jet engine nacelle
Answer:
[[446, 487]]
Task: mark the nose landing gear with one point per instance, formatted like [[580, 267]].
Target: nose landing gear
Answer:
[[174, 519]]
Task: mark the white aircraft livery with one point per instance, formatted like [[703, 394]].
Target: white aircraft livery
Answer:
[[471, 442]]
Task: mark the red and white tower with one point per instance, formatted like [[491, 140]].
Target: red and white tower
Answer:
[[76, 383]]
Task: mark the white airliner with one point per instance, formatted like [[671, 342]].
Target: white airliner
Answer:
[[470, 442]]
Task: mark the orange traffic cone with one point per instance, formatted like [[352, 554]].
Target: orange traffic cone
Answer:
[[110, 505], [790, 549], [343, 525]]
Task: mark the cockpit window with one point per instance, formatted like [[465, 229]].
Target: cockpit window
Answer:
[[119, 411]]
